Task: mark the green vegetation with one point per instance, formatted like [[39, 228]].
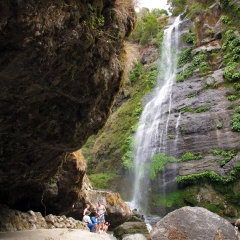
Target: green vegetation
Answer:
[[85, 150], [235, 121], [93, 22], [198, 61], [138, 110], [111, 150], [137, 72], [187, 109], [184, 57], [231, 12], [189, 195], [100, 180], [149, 26], [238, 109], [198, 110], [209, 176], [227, 154], [237, 86], [231, 49], [177, 6], [190, 95], [226, 20], [202, 109], [160, 39], [211, 85], [158, 162], [152, 77], [127, 151], [149, 76], [219, 125], [197, 8], [173, 199], [190, 156], [189, 38], [232, 97], [231, 72]]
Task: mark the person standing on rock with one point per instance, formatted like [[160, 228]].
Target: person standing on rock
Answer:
[[87, 220], [101, 211], [86, 209]]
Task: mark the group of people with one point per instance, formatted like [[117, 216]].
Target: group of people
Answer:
[[96, 220]]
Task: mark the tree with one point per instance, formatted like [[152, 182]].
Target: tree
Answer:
[[150, 28]]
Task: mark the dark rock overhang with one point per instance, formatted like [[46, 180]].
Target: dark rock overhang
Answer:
[[61, 67]]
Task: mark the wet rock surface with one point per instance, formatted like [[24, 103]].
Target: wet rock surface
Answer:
[[200, 132]]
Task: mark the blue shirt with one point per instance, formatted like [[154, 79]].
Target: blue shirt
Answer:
[[94, 220]]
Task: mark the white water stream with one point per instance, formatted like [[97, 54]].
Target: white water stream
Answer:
[[152, 132]]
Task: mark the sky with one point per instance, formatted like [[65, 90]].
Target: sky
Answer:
[[162, 4]]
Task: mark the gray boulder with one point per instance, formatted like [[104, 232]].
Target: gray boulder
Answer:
[[190, 223], [128, 229], [135, 237]]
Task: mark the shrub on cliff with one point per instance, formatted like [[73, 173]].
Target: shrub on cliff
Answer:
[[236, 122], [150, 23]]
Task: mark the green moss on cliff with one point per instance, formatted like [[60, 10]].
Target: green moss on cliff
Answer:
[[111, 143], [206, 195], [177, 6]]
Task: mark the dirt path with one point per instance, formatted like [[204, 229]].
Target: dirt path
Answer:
[[55, 234]]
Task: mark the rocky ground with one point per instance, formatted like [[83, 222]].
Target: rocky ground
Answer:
[[55, 234]]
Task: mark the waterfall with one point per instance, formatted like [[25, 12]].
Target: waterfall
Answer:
[[152, 132], [177, 132]]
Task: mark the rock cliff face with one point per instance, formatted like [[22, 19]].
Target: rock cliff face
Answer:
[[61, 67], [201, 132], [199, 121]]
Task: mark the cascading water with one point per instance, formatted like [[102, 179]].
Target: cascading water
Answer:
[[152, 132]]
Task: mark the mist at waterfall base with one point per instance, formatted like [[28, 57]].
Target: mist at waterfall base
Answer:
[[152, 133]]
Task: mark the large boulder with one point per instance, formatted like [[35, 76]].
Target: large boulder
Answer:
[[190, 223], [117, 210], [63, 190], [128, 229]]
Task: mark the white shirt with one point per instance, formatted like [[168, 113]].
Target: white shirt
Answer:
[[87, 219], [101, 209]]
